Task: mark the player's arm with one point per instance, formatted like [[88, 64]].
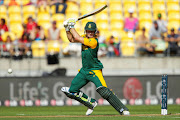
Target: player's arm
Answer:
[[69, 36], [68, 33], [91, 42], [76, 37]]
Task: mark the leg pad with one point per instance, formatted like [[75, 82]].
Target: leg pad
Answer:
[[78, 97], [112, 99]]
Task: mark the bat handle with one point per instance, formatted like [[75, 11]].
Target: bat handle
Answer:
[[77, 20]]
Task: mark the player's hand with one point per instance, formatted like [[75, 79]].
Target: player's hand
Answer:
[[71, 22], [65, 23]]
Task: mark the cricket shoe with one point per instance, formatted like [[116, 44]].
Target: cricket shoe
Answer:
[[65, 89], [89, 111], [125, 112]]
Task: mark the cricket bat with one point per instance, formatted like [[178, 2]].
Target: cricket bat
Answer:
[[92, 13]]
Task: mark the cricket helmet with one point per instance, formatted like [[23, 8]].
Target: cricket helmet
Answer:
[[91, 26]]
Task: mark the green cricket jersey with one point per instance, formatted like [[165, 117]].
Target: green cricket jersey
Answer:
[[90, 54]]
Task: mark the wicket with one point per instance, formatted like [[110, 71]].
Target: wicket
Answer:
[[164, 94]]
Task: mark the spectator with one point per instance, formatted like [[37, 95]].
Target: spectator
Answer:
[[172, 40], [112, 50], [54, 32], [156, 32], [8, 47], [42, 5], [13, 2], [162, 23], [57, 3], [3, 27], [31, 24], [25, 31], [102, 44], [42, 2], [1, 2], [26, 42], [179, 31], [32, 2], [131, 23], [25, 38], [101, 38], [144, 46], [37, 34]]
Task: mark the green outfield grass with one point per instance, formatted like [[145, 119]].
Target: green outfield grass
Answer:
[[142, 112]]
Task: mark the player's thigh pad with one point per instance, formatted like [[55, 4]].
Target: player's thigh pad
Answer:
[[97, 78], [77, 83]]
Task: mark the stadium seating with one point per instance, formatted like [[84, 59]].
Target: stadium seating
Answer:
[[17, 29], [98, 5], [146, 24], [116, 17], [114, 7], [43, 10], [144, 7], [85, 2], [14, 10], [145, 16], [11, 34], [53, 46], [25, 17], [173, 7], [105, 33], [117, 25], [172, 1], [38, 49], [114, 2], [72, 15], [24, 2], [128, 6], [3, 10], [86, 8], [101, 1], [43, 17], [103, 17], [157, 2], [45, 25], [173, 24], [6, 2], [15, 18], [4, 16], [127, 48], [63, 36], [72, 8], [155, 15], [129, 1], [139, 32], [58, 18], [174, 16], [30, 9], [102, 25], [143, 1], [158, 7]]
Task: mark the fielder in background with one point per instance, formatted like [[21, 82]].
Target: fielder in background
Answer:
[[91, 70]]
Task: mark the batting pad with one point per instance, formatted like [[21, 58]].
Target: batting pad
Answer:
[[112, 99], [78, 97]]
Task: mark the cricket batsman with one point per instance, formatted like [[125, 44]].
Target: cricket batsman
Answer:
[[91, 70]]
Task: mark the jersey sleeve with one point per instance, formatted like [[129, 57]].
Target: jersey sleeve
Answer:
[[91, 42]]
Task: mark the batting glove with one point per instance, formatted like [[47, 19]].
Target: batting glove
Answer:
[[71, 22], [65, 23]]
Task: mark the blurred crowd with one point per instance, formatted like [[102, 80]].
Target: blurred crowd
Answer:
[[157, 40]]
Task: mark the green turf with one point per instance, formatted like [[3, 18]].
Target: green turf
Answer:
[[78, 113]]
